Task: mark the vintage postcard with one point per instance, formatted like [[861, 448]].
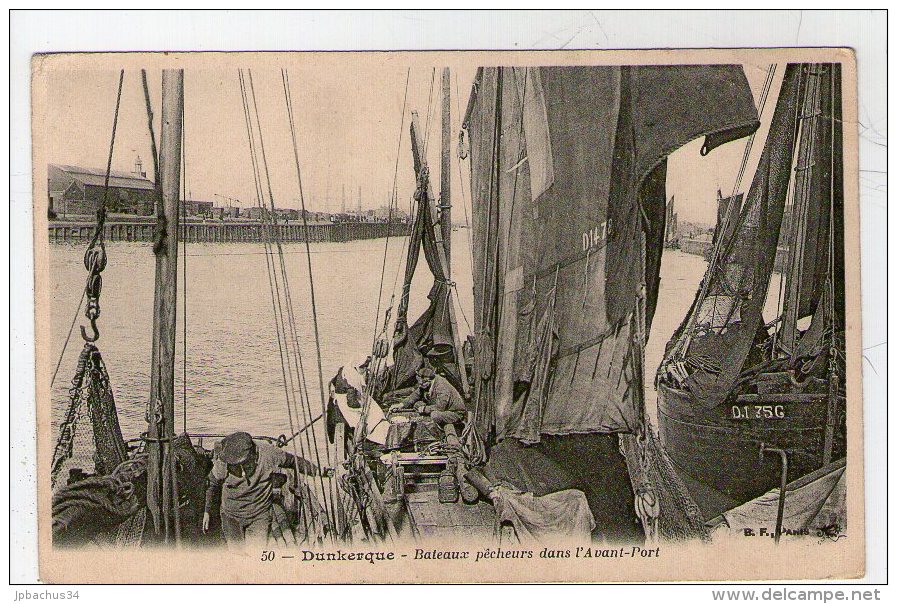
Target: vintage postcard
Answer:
[[390, 317]]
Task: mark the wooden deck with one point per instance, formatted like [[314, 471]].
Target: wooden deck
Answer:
[[448, 521]]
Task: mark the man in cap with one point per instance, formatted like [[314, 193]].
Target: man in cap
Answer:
[[435, 396], [242, 475]]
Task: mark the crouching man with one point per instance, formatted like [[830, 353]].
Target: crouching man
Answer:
[[242, 476], [435, 396]]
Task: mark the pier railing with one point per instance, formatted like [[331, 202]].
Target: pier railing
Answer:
[[227, 231]]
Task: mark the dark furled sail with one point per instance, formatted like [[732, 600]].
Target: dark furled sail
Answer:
[[432, 335], [716, 338], [575, 159], [808, 238]]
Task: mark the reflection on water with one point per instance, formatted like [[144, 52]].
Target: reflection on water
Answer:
[[234, 378]]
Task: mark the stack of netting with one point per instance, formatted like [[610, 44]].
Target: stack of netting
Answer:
[[666, 505], [98, 491]]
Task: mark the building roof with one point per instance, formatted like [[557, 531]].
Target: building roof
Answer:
[[96, 177]]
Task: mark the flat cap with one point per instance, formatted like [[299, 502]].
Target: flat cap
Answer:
[[236, 448]]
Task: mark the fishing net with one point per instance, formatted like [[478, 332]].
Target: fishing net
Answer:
[[662, 500], [90, 439], [98, 491], [103, 510], [718, 336]]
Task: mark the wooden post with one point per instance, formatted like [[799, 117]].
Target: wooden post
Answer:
[[445, 173], [420, 166], [161, 477]]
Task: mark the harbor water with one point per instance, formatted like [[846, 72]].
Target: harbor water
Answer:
[[234, 379]]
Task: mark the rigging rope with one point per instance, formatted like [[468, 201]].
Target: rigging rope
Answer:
[[286, 373], [292, 366], [184, 254], [286, 368], [311, 281], [300, 394], [67, 338], [682, 344], [461, 174], [429, 106], [392, 202]]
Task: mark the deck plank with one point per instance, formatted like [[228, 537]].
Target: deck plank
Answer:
[[449, 520]]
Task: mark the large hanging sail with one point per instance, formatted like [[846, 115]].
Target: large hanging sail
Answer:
[[711, 347], [568, 170], [568, 182]]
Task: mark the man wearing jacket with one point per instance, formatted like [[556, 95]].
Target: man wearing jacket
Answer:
[[435, 396], [243, 476]]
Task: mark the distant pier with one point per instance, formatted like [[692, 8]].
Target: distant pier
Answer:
[[698, 247], [704, 247], [227, 231]]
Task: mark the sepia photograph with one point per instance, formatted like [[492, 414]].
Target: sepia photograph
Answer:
[[454, 316]]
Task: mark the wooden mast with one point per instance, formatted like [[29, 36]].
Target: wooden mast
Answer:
[[161, 494], [445, 173], [421, 169]]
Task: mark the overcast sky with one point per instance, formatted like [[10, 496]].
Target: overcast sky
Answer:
[[348, 116]]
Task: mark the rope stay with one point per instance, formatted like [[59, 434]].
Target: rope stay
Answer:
[[393, 201], [288, 99], [463, 155], [380, 351], [184, 261], [91, 379], [286, 366], [292, 365]]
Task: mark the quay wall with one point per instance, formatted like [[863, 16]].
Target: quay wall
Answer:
[[697, 247], [226, 231], [704, 248]]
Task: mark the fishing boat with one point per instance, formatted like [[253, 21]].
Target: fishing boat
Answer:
[[671, 238], [748, 402], [568, 190], [568, 194]]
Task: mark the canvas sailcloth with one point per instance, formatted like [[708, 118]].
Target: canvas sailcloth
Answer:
[[568, 184]]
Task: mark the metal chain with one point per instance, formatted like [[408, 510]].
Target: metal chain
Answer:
[[94, 262]]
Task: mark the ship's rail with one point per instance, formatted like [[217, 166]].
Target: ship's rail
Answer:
[[279, 441]]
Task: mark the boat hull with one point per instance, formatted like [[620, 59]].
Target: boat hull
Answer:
[[717, 449]]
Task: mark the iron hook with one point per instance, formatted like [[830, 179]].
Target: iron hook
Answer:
[[96, 332]]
